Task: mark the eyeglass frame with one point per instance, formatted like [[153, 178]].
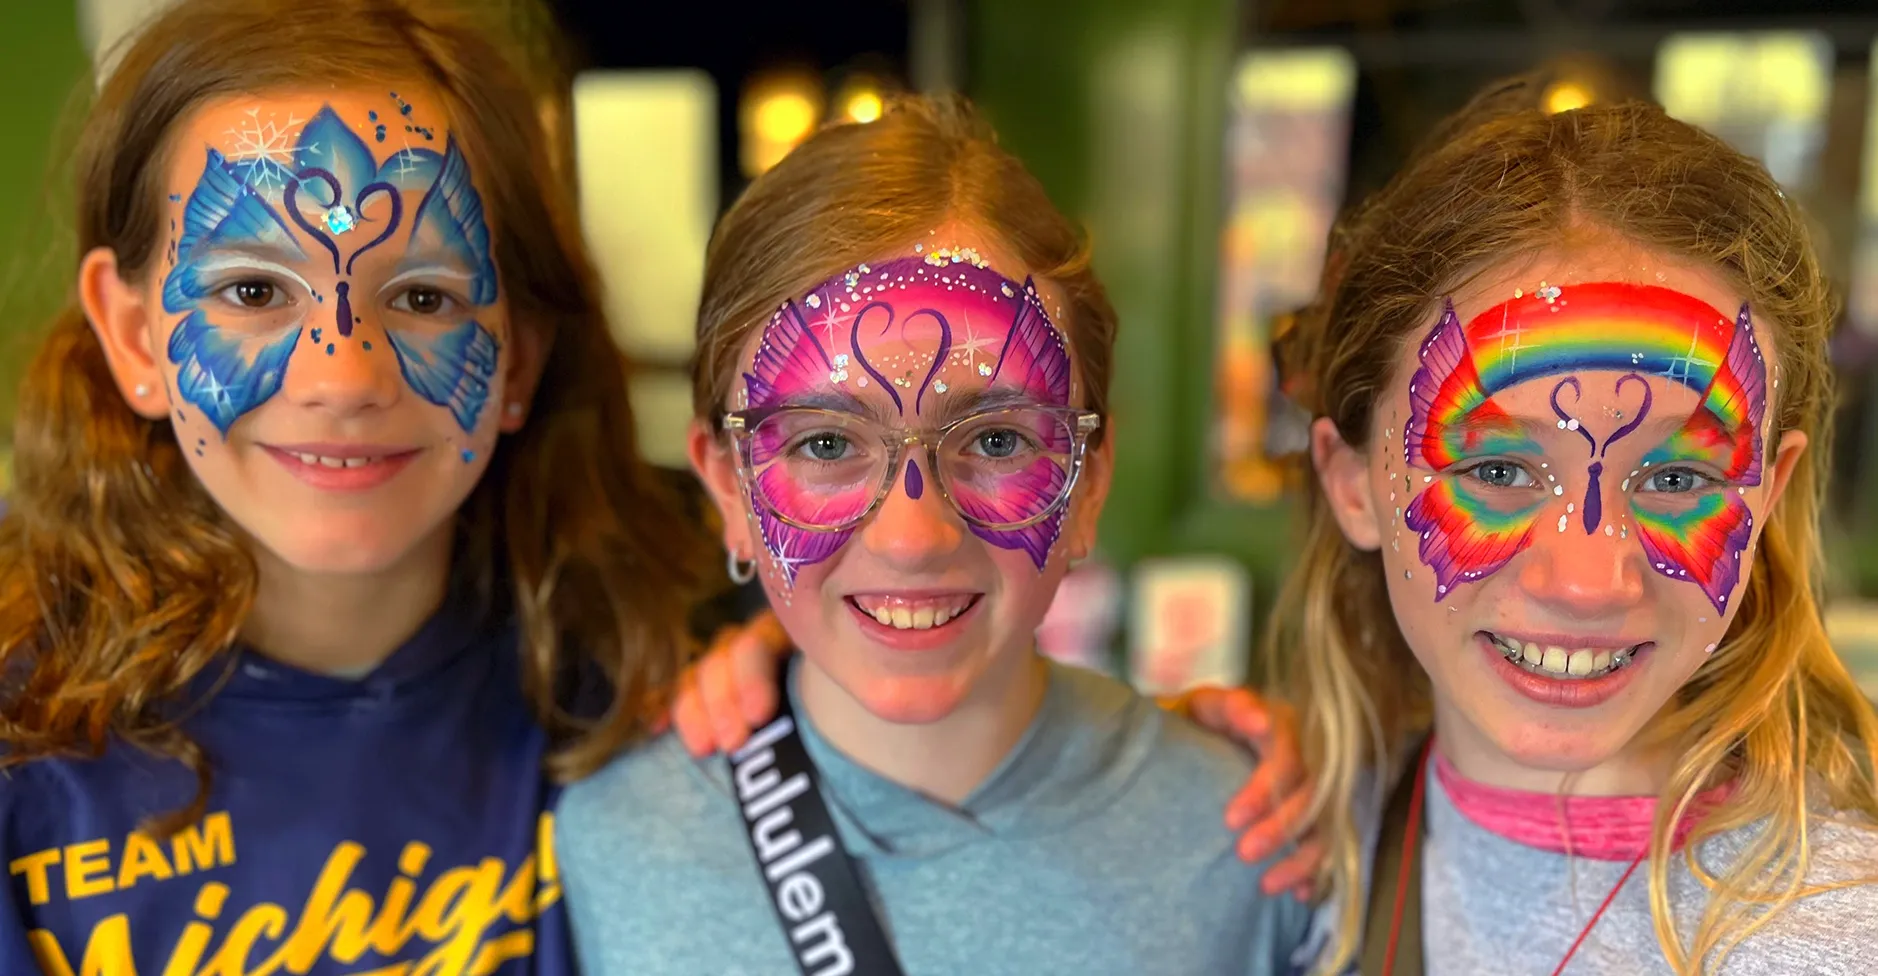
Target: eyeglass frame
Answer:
[[742, 424]]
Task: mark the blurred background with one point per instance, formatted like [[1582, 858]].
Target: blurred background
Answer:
[[1206, 145]]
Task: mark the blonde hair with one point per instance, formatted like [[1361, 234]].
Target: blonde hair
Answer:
[[121, 580], [852, 193], [1774, 710]]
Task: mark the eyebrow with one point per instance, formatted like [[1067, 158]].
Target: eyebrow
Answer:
[[982, 401], [251, 259], [434, 260], [836, 401], [214, 256]]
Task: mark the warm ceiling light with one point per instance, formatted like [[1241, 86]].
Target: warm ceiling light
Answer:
[[1563, 96], [862, 106], [779, 110]]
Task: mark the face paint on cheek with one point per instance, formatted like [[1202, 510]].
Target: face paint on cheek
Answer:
[[1034, 362], [790, 361], [1462, 538], [1703, 544], [225, 374], [452, 369]]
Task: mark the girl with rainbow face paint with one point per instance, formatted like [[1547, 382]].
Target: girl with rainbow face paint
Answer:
[[1563, 508], [901, 393]]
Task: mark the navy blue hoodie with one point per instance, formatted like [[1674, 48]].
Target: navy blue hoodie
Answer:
[[396, 824]]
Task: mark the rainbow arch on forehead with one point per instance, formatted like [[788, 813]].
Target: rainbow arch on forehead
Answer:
[[1644, 329]]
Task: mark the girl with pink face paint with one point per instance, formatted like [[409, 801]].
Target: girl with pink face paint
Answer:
[[1565, 370], [901, 394]]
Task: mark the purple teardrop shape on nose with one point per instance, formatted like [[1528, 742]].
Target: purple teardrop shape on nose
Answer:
[[1594, 500], [345, 310], [915, 485]]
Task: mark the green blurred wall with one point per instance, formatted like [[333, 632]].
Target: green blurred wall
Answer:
[[42, 66], [1119, 107]]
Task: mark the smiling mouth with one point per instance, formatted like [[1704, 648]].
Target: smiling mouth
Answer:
[[1565, 663], [903, 613]]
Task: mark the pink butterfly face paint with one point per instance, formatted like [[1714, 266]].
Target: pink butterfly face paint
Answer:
[[1618, 345], [911, 344]]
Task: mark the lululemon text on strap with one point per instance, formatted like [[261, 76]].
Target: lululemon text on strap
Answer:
[[814, 884]]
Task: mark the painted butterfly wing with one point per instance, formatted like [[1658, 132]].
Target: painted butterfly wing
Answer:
[[451, 370]]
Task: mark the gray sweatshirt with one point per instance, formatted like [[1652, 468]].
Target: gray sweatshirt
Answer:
[[1097, 847], [1494, 905]]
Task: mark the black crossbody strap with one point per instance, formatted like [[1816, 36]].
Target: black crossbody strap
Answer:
[[814, 885]]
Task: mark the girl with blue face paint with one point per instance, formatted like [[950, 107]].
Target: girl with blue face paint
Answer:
[[331, 553]]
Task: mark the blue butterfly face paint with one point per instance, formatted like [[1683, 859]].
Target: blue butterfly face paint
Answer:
[[287, 212], [327, 305]]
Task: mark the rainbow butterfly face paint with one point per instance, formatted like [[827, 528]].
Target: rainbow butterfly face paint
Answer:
[[1622, 346], [927, 343]]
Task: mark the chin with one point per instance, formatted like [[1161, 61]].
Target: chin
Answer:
[[1570, 746], [910, 700], [341, 546]]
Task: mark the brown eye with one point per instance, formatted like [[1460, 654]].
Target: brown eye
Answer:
[[254, 294], [424, 301]]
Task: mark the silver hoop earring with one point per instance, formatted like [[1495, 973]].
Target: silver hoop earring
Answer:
[[741, 571]]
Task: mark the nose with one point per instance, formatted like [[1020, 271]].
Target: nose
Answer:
[[1580, 574], [914, 527], [342, 373]]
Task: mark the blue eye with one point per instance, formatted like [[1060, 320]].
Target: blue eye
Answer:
[[1501, 474], [1674, 481], [824, 447]]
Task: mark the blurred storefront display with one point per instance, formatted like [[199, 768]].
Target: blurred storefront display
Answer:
[[1190, 623], [1287, 143]]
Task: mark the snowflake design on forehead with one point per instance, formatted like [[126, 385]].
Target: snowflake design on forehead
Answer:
[[268, 148]]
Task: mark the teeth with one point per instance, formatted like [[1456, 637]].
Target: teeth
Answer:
[[317, 460], [1580, 663], [905, 614]]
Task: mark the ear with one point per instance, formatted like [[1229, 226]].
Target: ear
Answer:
[[1092, 492], [528, 357], [717, 469], [1786, 458], [120, 316], [1343, 472]]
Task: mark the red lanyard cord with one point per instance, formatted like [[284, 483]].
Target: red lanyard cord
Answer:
[[1411, 838]]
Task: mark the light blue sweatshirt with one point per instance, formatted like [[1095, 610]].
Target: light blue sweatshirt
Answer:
[[1097, 847]]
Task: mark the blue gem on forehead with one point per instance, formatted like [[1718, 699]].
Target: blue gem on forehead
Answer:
[[339, 220]]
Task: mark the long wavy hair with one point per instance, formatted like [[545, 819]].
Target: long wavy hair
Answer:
[[1774, 710], [121, 581]]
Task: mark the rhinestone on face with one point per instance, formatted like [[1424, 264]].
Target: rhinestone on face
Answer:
[[339, 220]]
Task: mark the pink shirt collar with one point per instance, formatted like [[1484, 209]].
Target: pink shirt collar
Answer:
[[1605, 828]]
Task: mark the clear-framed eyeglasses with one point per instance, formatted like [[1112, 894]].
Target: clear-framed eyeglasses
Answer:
[[828, 470]]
